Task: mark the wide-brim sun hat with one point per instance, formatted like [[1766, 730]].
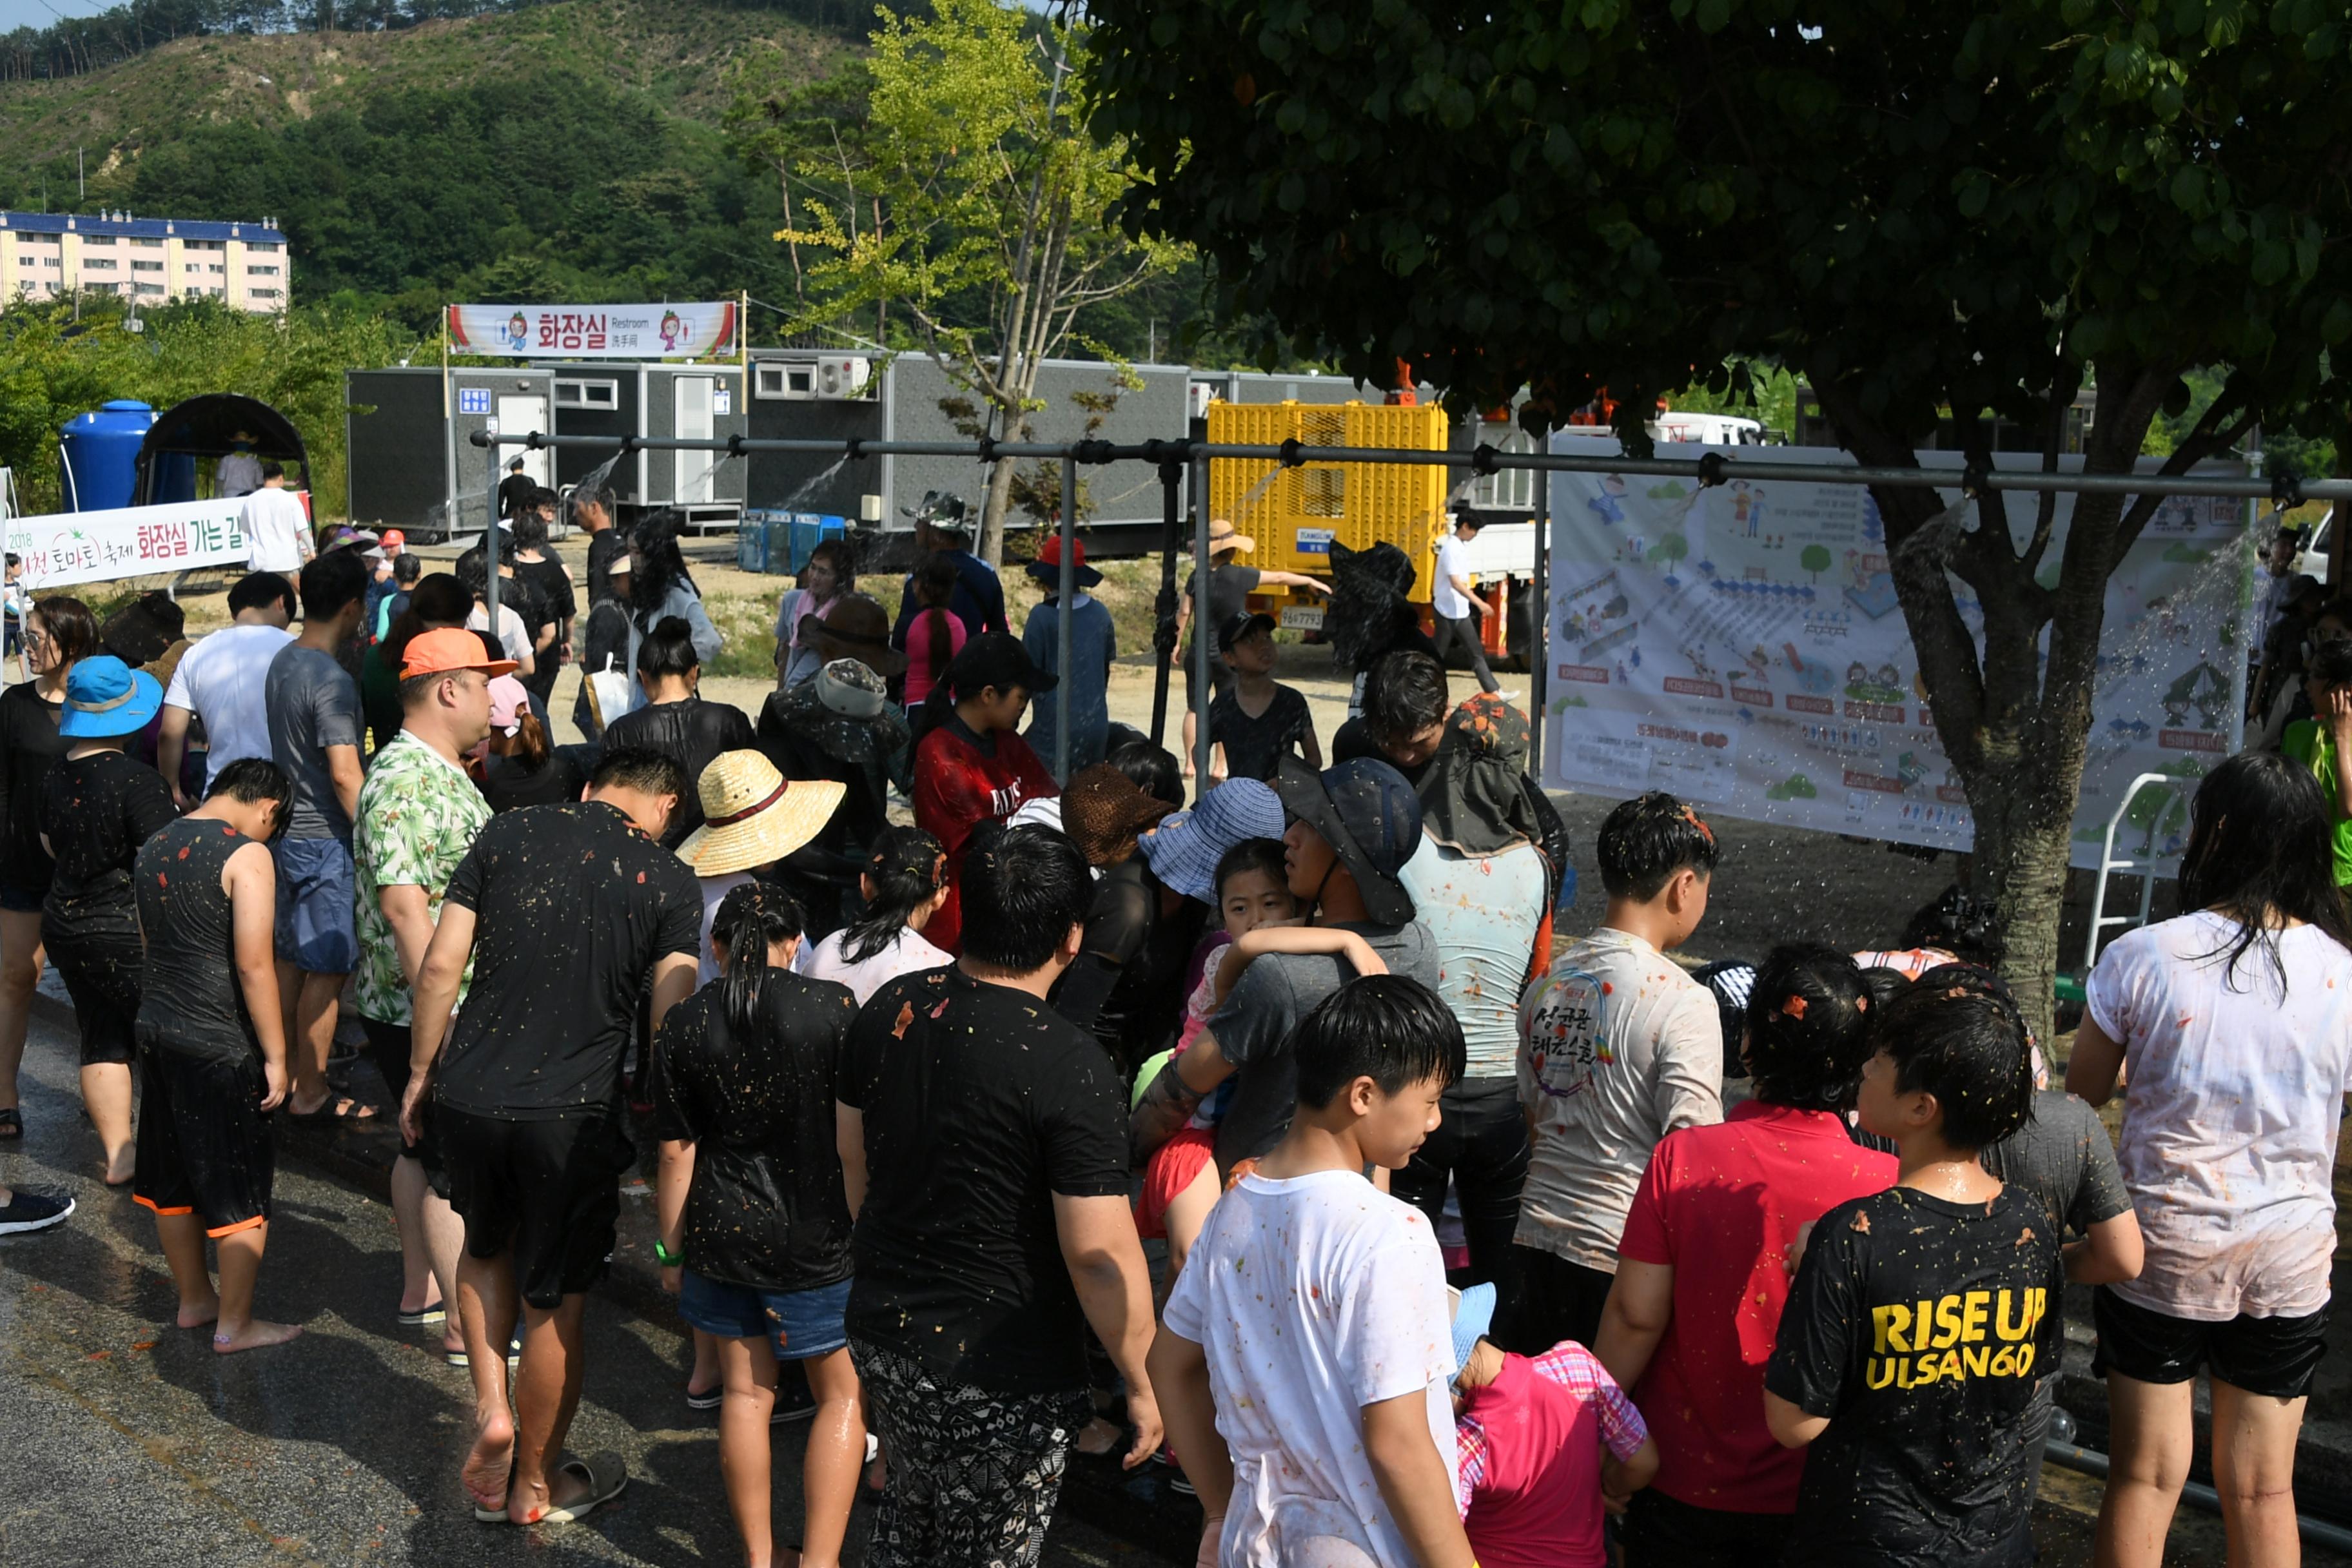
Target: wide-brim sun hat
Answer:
[[105, 698], [1183, 851], [754, 815], [1474, 1313], [1048, 567], [1104, 813], [854, 626], [1368, 814], [831, 712], [1224, 536]]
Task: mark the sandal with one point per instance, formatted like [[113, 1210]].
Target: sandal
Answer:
[[604, 1478], [12, 1124], [332, 1111]]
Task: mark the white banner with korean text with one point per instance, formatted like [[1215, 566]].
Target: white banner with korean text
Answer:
[[1741, 646], [59, 549], [710, 330]]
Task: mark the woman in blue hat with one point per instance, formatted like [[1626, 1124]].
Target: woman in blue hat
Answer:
[[97, 806]]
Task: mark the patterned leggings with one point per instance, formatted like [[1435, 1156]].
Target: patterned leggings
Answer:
[[973, 1474]]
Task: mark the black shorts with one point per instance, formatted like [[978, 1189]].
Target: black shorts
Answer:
[[2277, 1357], [1221, 675], [1557, 1301], [388, 1046], [203, 1140], [548, 1191], [1661, 1531], [101, 975]]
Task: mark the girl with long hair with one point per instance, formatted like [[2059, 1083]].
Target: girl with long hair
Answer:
[[2235, 1021], [754, 1210], [937, 633], [660, 587], [904, 883], [59, 633]]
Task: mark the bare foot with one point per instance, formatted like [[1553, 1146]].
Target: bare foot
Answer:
[[253, 1336], [197, 1317], [490, 1463], [120, 1170]]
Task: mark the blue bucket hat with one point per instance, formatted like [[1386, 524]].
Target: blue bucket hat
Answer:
[[1368, 814], [105, 698], [1474, 1311], [1184, 851]]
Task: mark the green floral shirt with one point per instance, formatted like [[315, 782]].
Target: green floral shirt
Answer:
[[418, 816]]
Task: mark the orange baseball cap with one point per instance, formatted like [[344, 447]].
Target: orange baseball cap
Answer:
[[393, 542], [451, 647]]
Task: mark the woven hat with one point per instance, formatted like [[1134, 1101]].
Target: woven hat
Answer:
[[1103, 813], [854, 626], [1224, 536], [1184, 851], [1370, 817], [753, 815], [105, 697]]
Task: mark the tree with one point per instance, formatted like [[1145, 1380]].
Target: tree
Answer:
[[1923, 210], [1815, 559], [991, 235]]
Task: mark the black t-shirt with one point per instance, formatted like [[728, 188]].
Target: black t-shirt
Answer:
[[507, 785], [1921, 1328], [981, 1103], [190, 1000], [573, 908], [515, 492], [97, 810], [692, 732], [603, 548], [1230, 588], [1128, 985], [1254, 747], [29, 746], [553, 585], [767, 1207]]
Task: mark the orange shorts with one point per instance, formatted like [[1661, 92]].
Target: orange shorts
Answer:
[[1170, 1171]]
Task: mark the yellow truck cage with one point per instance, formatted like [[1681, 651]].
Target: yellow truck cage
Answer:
[[1295, 515]]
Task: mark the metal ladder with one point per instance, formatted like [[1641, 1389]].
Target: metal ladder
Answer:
[[2144, 869]]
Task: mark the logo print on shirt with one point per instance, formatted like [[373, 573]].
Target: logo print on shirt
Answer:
[[1568, 1038]]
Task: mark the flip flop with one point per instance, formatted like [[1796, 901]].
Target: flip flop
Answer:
[[12, 1124], [437, 1313], [605, 1476], [496, 1515], [336, 1108]]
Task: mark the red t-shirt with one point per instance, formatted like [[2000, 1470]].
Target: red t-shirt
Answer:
[[1528, 1458], [958, 786], [1721, 1205]]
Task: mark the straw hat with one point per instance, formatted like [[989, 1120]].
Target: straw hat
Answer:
[[1224, 536], [751, 814], [1103, 812]]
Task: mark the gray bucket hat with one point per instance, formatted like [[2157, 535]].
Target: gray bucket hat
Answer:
[[1368, 814]]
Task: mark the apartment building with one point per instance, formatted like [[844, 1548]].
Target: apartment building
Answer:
[[150, 260]]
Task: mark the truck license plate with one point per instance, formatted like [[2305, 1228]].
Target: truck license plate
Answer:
[[1303, 617]]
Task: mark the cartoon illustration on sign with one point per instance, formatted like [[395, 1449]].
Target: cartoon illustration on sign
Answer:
[[2200, 686], [518, 332], [673, 332], [1609, 506]]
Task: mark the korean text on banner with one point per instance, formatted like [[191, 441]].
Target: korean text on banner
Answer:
[[705, 330], [64, 548], [1742, 646]]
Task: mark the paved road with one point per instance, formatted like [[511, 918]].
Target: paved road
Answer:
[[125, 1441]]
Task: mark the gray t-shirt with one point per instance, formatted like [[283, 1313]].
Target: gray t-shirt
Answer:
[[312, 705], [1253, 1029], [2063, 1157]]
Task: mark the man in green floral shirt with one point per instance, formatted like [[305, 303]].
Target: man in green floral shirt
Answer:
[[418, 815]]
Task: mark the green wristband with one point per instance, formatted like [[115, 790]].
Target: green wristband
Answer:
[[664, 1256]]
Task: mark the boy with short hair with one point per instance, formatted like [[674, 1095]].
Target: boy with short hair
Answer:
[[1619, 1048], [1924, 1316], [1302, 1369], [1257, 721]]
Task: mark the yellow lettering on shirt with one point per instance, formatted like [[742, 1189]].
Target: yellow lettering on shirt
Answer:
[[1949, 1319], [1949, 1338], [1974, 1313], [1890, 1325], [2023, 1324]]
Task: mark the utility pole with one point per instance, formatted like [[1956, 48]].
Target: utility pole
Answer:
[[80, 182]]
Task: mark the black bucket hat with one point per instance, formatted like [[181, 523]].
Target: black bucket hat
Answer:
[[1368, 814]]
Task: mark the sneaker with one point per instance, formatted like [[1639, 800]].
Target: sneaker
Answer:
[[793, 1401], [34, 1211], [709, 1399]]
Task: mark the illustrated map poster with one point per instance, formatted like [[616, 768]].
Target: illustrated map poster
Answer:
[[1741, 646]]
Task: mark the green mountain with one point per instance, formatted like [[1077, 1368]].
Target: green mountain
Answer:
[[569, 149]]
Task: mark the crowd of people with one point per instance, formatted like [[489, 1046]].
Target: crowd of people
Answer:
[[1478, 1233]]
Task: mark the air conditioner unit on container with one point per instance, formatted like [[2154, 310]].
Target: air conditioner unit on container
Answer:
[[843, 377]]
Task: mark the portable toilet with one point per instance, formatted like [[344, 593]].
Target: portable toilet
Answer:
[[100, 452]]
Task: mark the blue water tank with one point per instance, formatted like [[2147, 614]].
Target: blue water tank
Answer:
[[101, 455]]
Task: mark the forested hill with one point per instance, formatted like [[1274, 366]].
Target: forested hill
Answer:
[[568, 148]]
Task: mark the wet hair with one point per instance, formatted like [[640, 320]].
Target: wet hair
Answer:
[[2338, 610], [249, 781], [935, 585], [667, 649], [1885, 983], [1252, 855], [1404, 695], [580, 503], [660, 566], [335, 579], [1808, 1027], [1390, 1029], [1646, 840], [73, 630], [406, 569], [472, 573], [1960, 923], [907, 868], [1957, 1035], [836, 553], [273, 469], [437, 600], [1023, 890], [639, 768], [528, 528], [993, 659], [748, 920], [1152, 769], [2331, 663], [531, 749], [258, 590], [2260, 837]]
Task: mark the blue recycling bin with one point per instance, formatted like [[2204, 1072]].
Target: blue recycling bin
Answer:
[[751, 542]]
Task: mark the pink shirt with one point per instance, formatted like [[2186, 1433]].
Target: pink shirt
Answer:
[[918, 651], [1528, 1458]]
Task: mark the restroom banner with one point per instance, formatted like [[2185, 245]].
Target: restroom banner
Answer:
[[59, 548], [705, 330], [1740, 646]]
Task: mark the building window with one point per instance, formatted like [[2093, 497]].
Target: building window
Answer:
[[261, 272], [263, 293], [150, 288], [90, 239], [147, 244], [146, 266], [587, 395], [99, 263], [1506, 489], [259, 245]]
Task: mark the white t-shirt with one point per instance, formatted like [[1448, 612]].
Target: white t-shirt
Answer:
[[1442, 596], [713, 890], [514, 635], [221, 679], [907, 953], [1618, 1047], [2229, 1123], [239, 474], [1314, 1297], [274, 523]]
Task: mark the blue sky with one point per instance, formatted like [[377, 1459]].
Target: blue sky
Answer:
[[15, 14]]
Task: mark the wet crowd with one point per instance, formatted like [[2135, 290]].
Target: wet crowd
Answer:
[[1482, 1229]]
